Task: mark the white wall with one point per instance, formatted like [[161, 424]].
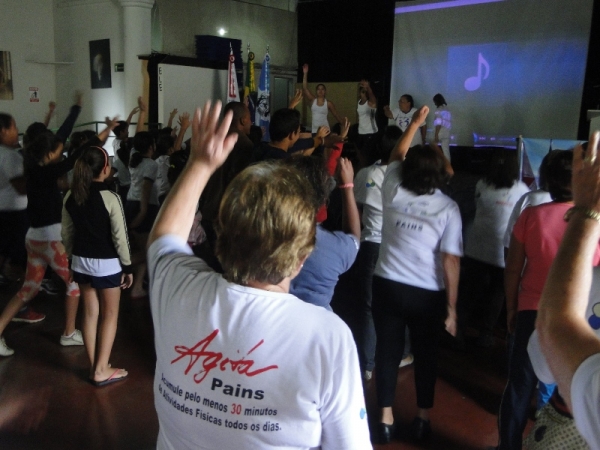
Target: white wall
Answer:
[[60, 31], [79, 22], [187, 88], [255, 24], [28, 34]]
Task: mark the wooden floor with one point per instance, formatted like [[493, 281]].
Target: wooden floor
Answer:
[[43, 385]]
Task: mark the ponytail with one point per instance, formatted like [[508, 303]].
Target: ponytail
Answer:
[[89, 166]]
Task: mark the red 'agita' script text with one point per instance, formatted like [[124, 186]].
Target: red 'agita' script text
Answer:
[[210, 360]]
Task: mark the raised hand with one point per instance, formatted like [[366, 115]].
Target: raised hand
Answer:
[[111, 123], [420, 115], [184, 120], [296, 99], [586, 175], [345, 128], [78, 98], [305, 68], [345, 171], [322, 132], [210, 144]]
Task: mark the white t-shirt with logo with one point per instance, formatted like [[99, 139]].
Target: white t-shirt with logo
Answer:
[[402, 120], [485, 241], [11, 167], [367, 192], [244, 368], [416, 229]]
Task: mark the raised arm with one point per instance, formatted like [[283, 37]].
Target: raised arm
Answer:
[[143, 113], [184, 124], [350, 216], [172, 115], [67, 127], [320, 135], [388, 112], [309, 95], [133, 112], [50, 113], [110, 125], [210, 146], [295, 99], [565, 336], [371, 99], [401, 148]]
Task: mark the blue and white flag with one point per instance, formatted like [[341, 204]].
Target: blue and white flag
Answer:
[[263, 103]]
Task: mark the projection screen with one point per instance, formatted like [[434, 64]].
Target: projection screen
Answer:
[[506, 67]]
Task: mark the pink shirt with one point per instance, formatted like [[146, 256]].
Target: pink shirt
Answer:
[[540, 229]]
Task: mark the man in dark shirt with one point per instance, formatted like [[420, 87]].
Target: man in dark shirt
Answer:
[[285, 131]]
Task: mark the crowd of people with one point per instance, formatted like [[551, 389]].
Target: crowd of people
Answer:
[[239, 245]]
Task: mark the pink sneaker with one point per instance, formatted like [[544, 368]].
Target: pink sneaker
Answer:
[[29, 316]]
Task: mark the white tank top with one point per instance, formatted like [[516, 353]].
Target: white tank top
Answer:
[[319, 115], [366, 119]]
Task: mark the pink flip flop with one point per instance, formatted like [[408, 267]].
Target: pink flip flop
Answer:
[[109, 380]]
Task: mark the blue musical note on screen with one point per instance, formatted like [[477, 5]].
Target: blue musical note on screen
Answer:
[[474, 83]]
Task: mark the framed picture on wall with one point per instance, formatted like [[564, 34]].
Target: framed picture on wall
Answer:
[[100, 64], [6, 83]]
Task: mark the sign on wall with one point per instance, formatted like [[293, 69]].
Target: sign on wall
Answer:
[[34, 95]]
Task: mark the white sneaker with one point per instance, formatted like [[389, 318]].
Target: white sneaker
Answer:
[[74, 339], [5, 350], [407, 361]]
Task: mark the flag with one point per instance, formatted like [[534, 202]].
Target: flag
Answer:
[[250, 85], [263, 103], [233, 94]]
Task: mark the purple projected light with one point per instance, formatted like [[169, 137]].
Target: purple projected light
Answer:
[[441, 5]]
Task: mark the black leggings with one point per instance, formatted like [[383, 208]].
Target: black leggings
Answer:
[[396, 305]]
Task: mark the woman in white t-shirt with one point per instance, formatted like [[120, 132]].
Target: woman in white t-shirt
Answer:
[[294, 365], [442, 123], [415, 283], [320, 107], [495, 198], [366, 111], [402, 116]]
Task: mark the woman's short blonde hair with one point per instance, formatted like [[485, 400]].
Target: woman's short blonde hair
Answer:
[[266, 224]]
